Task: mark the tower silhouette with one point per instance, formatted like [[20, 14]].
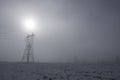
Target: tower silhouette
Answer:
[[28, 55]]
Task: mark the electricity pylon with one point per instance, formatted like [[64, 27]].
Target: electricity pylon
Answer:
[[28, 55]]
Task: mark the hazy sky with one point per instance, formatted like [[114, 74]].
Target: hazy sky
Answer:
[[88, 29]]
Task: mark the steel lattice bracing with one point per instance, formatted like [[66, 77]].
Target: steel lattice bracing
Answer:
[[28, 52]]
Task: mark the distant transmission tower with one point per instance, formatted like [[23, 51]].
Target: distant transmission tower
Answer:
[[28, 52], [117, 59]]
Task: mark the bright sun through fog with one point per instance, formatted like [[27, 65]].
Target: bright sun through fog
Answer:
[[29, 24]]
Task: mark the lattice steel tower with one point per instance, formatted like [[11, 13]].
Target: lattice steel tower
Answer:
[[28, 55]]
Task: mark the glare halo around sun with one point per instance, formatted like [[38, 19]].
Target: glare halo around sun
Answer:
[[29, 24]]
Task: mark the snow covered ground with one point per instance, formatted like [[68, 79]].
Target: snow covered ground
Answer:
[[59, 71]]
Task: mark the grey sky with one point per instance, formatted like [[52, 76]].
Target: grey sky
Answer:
[[88, 29]]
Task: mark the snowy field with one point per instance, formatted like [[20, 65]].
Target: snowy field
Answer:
[[59, 71]]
